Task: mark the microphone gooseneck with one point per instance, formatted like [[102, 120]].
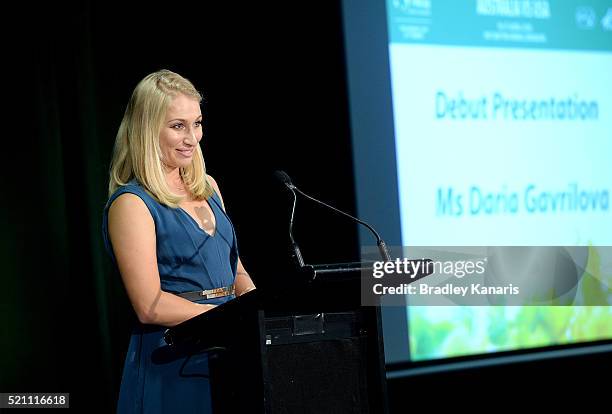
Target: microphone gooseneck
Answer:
[[285, 179], [295, 249]]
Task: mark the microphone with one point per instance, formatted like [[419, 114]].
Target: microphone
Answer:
[[286, 180]]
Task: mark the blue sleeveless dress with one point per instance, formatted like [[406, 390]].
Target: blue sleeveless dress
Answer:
[[188, 259]]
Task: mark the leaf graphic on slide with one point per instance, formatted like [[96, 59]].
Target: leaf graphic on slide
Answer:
[[593, 287]]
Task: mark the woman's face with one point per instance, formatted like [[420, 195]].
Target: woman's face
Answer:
[[181, 131]]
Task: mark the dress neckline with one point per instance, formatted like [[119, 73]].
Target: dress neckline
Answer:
[[195, 223]]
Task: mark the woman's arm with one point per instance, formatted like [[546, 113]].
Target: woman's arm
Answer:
[[132, 234], [243, 282]]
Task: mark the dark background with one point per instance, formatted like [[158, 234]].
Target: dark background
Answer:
[[273, 78]]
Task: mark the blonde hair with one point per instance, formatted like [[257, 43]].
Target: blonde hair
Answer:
[[137, 152]]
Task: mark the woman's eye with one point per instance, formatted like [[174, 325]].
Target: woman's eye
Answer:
[[198, 123], [177, 126]]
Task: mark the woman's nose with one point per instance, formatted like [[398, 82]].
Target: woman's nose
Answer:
[[191, 137]]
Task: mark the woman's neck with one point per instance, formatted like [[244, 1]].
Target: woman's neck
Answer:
[[174, 181]]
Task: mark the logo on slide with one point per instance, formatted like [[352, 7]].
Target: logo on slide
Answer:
[[413, 7], [526, 9], [606, 22], [585, 17]]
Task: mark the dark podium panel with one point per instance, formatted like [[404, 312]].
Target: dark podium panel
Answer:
[[305, 348]]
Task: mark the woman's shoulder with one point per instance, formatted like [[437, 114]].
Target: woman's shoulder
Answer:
[[126, 208], [131, 195], [131, 208], [131, 187], [216, 194], [127, 199], [213, 183]]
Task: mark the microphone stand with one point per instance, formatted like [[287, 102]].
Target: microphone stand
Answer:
[[295, 249]]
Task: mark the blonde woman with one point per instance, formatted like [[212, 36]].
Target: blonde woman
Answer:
[[166, 229]]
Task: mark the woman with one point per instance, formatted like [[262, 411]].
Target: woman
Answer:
[[166, 229]]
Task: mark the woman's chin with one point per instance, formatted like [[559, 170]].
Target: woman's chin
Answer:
[[177, 164], [183, 163]]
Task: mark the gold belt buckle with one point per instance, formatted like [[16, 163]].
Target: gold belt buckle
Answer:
[[217, 292]]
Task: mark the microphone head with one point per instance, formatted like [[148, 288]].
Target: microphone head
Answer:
[[284, 178]]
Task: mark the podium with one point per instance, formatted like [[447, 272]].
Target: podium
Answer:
[[305, 347]]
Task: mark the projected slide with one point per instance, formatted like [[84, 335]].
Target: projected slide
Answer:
[[500, 145], [503, 136]]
